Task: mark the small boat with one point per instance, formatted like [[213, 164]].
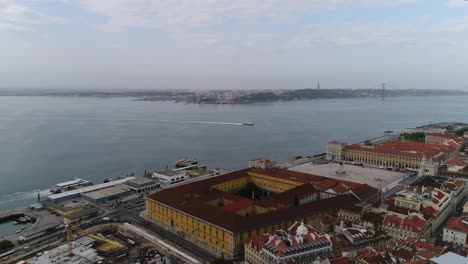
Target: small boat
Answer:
[[18, 231], [21, 220], [247, 124]]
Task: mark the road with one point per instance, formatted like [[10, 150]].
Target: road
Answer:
[[131, 216], [399, 186]]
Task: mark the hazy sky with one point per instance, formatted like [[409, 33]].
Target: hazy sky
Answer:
[[243, 44]]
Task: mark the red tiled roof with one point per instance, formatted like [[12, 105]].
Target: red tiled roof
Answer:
[[419, 261], [458, 223], [423, 246], [302, 177], [327, 184], [375, 218], [340, 260], [287, 198], [429, 212], [377, 259], [239, 205], [288, 175], [404, 254], [258, 241], [453, 137], [457, 161], [415, 223], [391, 220], [454, 185], [192, 198], [452, 145], [426, 255], [365, 191], [340, 189], [407, 149], [281, 241]]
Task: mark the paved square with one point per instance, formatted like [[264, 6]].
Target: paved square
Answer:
[[377, 178]]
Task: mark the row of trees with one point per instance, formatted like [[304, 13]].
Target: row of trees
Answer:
[[416, 137], [5, 245]]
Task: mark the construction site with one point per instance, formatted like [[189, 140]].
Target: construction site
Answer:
[[109, 243]]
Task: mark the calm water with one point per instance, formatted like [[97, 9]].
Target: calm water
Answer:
[[10, 228], [45, 140]]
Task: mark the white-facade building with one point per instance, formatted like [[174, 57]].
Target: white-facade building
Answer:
[[170, 177], [456, 231]]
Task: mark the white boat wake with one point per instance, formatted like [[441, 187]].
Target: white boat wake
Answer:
[[126, 119]]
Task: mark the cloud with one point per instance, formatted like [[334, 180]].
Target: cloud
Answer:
[[457, 3], [18, 17], [177, 15], [418, 31]]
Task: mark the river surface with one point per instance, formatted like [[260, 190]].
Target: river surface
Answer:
[[45, 140]]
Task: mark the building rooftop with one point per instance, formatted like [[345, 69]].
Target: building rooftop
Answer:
[[83, 253], [405, 148], [340, 260], [412, 222], [457, 161], [451, 258], [89, 188], [193, 198], [458, 223], [141, 180], [298, 238], [453, 137], [168, 172], [103, 193]]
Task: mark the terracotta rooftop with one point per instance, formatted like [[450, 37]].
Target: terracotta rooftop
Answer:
[[414, 222], [457, 161], [299, 237], [454, 185], [407, 149], [453, 137], [239, 205], [192, 198], [340, 260], [458, 223], [258, 241], [287, 198], [418, 261], [403, 253]]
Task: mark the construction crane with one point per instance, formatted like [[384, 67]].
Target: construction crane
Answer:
[[109, 244]]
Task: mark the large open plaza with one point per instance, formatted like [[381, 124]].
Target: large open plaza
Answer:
[[375, 177]]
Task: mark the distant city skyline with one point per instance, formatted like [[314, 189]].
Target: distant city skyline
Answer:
[[225, 44]]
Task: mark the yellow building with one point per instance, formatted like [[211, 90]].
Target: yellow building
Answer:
[[211, 214], [253, 249], [395, 155]]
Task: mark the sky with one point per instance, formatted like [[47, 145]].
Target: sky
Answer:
[[233, 44]]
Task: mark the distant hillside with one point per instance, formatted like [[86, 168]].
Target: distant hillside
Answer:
[[239, 96]]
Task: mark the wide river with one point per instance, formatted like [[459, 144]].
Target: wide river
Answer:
[[45, 140]]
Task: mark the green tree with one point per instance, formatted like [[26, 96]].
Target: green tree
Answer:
[[5, 245], [417, 136], [461, 131]]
